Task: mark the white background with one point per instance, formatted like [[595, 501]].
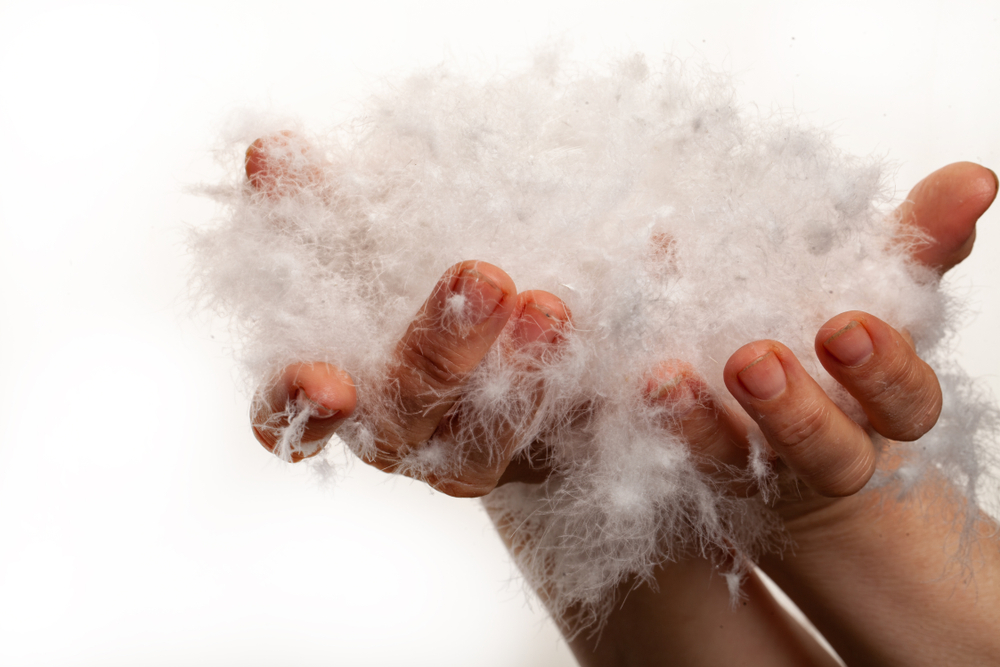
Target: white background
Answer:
[[140, 524]]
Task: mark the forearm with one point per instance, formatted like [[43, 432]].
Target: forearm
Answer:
[[882, 582], [689, 621]]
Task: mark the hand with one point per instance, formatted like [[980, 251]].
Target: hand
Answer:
[[876, 364], [871, 572], [432, 361]]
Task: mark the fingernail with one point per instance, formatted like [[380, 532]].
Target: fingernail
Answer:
[[676, 392], [537, 324], [322, 412], [764, 377], [996, 181], [852, 346], [473, 299], [318, 410]]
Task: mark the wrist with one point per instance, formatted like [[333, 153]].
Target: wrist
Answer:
[[887, 581]]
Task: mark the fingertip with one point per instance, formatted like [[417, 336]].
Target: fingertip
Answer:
[[878, 365], [675, 387], [851, 345], [469, 307], [486, 272], [282, 163], [330, 388], [539, 317], [946, 205], [325, 390], [262, 161], [757, 371], [746, 354], [851, 331], [977, 182], [666, 379]]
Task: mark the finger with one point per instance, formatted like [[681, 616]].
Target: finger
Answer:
[[716, 436], [898, 392], [540, 325], [451, 334], [536, 329], [945, 206], [824, 447], [283, 163], [326, 391]]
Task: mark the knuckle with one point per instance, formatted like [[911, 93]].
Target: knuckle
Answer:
[[436, 366], [903, 402], [797, 431], [716, 446], [702, 431], [897, 378], [850, 479]]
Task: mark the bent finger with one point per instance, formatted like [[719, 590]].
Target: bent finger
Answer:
[[283, 163], [716, 436], [824, 447], [325, 391], [446, 341], [898, 392], [945, 207], [534, 333]]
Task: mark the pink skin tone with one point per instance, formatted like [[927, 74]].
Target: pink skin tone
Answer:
[[831, 454]]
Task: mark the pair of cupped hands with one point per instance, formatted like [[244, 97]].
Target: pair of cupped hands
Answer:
[[830, 454], [827, 450]]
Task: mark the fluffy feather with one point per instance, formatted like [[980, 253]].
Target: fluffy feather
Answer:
[[672, 224]]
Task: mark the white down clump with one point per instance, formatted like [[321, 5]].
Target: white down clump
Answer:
[[672, 225]]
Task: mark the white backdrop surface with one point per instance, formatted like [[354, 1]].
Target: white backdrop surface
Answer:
[[139, 521]]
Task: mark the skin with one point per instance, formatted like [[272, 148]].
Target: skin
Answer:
[[868, 571]]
